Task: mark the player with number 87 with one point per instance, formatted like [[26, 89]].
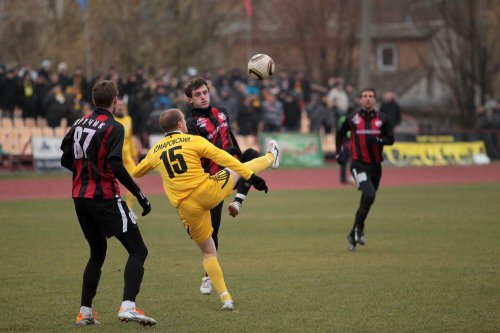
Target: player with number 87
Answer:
[[92, 150]]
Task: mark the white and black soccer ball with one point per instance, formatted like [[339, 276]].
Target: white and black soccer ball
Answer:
[[260, 66]]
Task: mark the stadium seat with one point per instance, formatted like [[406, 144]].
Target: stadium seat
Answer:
[[48, 131], [60, 131], [304, 123], [30, 122], [7, 123], [36, 131], [18, 122], [328, 143]]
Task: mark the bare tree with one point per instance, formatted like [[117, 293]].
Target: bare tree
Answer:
[[314, 26], [465, 56], [19, 41], [155, 33], [491, 18]]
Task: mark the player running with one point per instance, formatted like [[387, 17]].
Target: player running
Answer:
[[370, 131]]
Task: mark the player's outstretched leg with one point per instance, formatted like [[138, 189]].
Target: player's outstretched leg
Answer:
[[270, 160]]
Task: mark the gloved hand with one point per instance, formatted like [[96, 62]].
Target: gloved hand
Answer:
[[340, 158], [144, 202], [258, 182]]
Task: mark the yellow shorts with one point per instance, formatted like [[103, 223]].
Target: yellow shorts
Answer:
[[194, 211]]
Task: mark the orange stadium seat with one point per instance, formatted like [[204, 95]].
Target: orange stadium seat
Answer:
[[59, 131], [36, 131], [18, 122], [48, 131], [6, 123]]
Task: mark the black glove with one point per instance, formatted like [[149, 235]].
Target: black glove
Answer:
[[144, 202], [340, 158], [258, 182]]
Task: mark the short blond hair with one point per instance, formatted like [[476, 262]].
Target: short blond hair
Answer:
[[169, 119]]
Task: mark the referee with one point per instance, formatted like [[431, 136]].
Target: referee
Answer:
[[92, 150], [370, 131]]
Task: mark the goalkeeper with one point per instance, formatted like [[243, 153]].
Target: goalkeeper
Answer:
[[193, 192]]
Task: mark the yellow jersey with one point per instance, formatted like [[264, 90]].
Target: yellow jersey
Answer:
[[129, 153], [177, 158]]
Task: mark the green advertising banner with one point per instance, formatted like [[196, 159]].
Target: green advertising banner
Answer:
[[297, 150]]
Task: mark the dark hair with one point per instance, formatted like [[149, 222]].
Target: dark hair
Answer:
[[368, 89], [193, 84], [169, 119], [103, 93]]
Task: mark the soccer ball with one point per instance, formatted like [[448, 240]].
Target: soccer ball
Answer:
[[260, 67]]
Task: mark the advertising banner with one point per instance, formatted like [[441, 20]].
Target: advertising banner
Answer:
[[154, 138], [433, 154], [46, 153], [297, 150]]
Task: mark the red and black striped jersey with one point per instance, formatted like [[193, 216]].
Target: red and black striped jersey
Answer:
[[370, 131], [93, 140], [213, 124]]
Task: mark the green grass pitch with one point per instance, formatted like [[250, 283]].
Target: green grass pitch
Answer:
[[431, 264]]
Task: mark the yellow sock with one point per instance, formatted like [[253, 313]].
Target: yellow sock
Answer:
[[260, 163], [214, 272]]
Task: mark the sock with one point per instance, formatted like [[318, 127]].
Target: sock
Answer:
[[240, 197], [214, 271], [261, 163], [224, 296], [86, 311], [127, 305]]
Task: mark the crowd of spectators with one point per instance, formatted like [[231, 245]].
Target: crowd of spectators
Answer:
[[55, 96], [52, 93], [49, 94], [488, 115]]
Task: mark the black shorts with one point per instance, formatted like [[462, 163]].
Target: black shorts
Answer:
[[111, 216], [364, 173]]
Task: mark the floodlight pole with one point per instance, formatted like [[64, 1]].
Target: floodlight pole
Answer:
[[365, 48], [86, 37], [249, 37]]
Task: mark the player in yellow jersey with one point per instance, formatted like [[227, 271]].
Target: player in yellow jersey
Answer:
[[129, 153], [193, 192]]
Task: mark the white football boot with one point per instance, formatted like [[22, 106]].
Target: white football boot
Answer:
[[273, 148], [206, 286], [228, 305], [135, 315]]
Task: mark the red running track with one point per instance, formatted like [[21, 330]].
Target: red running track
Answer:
[[295, 179]]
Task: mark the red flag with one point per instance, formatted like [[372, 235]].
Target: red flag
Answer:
[[248, 8]]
